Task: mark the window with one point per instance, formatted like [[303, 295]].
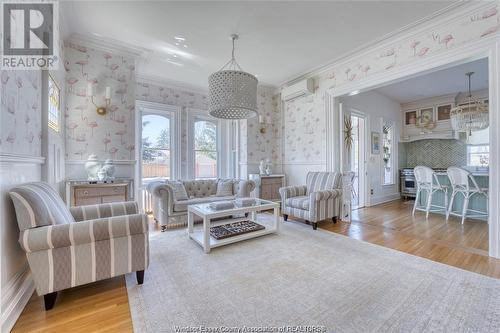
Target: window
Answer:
[[387, 153], [478, 155], [54, 106], [205, 149], [156, 147]]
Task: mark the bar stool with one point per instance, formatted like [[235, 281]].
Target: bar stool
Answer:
[[461, 181], [428, 182]]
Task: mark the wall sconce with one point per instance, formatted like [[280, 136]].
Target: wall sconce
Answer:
[[263, 122], [101, 110]]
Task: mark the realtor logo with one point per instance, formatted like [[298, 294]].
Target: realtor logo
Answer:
[[30, 35]]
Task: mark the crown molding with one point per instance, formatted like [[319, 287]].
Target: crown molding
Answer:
[[168, 83], [110, 45], [449, 12]]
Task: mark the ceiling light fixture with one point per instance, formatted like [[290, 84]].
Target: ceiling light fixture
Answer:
[[470, 116], [232, 92]]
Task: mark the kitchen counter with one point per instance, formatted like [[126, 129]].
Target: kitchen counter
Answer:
[[476, 202]]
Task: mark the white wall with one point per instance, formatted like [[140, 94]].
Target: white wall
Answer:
[[377, 108]]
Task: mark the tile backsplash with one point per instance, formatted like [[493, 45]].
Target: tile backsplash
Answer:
[[436, 153]]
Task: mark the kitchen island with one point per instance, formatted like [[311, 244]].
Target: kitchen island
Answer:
[[476, 202]]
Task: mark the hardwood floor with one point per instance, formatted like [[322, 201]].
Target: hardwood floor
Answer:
[[392, 225], [103, 306]]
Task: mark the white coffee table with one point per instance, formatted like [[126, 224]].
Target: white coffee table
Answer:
[[204, 211]]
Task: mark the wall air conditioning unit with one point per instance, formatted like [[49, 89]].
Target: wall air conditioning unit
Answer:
[[299, 89]]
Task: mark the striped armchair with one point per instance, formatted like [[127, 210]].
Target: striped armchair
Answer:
[[71, 247], [318, 200]]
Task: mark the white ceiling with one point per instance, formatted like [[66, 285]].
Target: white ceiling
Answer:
[[447, 81], [278, 40]]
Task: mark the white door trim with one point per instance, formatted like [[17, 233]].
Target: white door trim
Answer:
[[485, 48]]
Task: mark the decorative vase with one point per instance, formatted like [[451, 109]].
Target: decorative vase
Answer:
[[268, 170], [102, 175], [92, 166], [109, 168], [262, 168]]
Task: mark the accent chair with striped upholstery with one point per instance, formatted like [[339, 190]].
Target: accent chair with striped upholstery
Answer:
[[71, 247], [318, 200]]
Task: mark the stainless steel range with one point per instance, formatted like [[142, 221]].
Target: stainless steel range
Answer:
[[408, 183]]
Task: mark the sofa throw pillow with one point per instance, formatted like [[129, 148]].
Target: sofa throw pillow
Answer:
[[179, 190], [224, 187]]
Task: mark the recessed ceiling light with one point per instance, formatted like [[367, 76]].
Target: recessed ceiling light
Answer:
[[180, 39], [175, 55], [185, 46]]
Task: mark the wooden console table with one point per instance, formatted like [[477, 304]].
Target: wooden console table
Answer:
[[267, 187], [82, 192]]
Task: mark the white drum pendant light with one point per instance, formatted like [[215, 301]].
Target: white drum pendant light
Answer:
[[232, 92]]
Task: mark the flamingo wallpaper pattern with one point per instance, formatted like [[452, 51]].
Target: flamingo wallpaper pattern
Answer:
[[472, 26], [109, 136], [21, 112]]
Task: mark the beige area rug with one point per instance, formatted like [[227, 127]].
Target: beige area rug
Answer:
[[307, 277]]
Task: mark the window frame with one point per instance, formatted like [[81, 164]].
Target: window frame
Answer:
[[55, 127], [469, 153], [202, 115], [173, 112], [169, 149], [392, 138]]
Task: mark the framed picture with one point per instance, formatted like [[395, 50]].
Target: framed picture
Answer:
[[410, 117], [375, 143], [426, 115], [443, 112]]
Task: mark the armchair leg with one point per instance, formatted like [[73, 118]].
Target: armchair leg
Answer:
[[49, 300], [140, 276], [334, 219], [285, 217], [315, 225]]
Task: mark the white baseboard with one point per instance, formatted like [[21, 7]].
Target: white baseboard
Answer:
[[383, 199], [16, 295]]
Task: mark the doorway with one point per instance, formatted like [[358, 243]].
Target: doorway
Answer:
[[354, 154]]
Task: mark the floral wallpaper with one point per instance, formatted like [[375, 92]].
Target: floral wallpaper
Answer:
[[108, 136], [21, 128], [268, 144], [305, 132], [171, 96], [473, 26]]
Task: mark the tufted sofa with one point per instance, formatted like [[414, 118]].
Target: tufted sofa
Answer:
[[169, 212]]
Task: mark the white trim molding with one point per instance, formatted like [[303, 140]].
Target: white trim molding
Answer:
[[168, 83], [110, 45], [453, 11], [16, 295], [18, 158], [115, 162]]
